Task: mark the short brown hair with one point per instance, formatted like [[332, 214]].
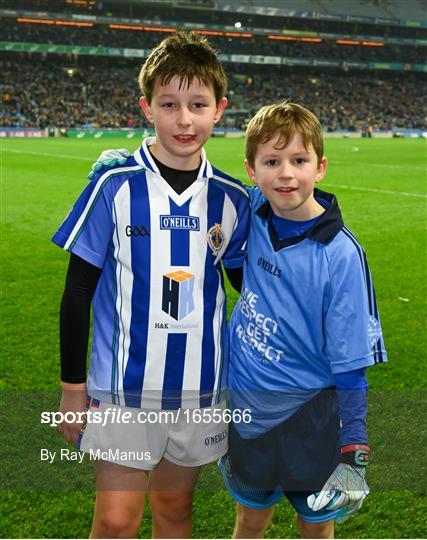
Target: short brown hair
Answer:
[[283, 119], [186, 55]]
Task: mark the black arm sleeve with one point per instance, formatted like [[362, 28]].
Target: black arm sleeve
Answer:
[[80, 284], [235, 276]]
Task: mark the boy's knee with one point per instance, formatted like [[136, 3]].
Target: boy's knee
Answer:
[[308, 529], [171, 506], [253, 521], [115, 525]]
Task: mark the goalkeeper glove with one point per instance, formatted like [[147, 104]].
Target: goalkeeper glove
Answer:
[[109, 158], [346, 488]]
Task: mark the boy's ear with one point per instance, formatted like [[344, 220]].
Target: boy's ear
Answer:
[[220, 108], [321, 169], [250, 172], [143, 103]]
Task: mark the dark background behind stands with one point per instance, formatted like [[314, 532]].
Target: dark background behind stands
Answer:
[[69, 90]]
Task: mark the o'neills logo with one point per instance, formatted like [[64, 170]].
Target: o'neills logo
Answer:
[[374, 330], [179, 223], [215, 439], [215, 238]]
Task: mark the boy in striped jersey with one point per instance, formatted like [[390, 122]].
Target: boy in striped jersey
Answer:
[[304, 331], [147, 240]]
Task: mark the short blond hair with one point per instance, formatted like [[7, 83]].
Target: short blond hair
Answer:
[[186, 55], [283, 119]]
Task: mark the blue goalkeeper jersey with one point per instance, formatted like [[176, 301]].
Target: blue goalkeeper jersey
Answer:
[[307, 311], [159, 321]]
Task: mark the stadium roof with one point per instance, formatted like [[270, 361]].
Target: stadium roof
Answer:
[[394, 9]]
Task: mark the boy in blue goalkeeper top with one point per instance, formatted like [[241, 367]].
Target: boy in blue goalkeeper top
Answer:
[[302, 335], [304, 331], [148, 241]]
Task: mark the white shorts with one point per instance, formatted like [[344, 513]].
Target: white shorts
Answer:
[[140, 438]]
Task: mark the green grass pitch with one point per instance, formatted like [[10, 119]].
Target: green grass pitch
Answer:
[[380, 185]]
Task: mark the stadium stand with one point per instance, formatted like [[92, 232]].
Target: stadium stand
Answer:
[[36, 33], [356, 67]]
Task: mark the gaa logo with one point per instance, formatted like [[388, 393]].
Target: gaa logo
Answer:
[[177, 300], [215, 238], [137, 230]]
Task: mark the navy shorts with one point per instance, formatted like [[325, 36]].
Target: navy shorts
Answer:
[[294, 459]]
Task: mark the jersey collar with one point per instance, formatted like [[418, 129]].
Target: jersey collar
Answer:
[[143, 157], [324, 230]]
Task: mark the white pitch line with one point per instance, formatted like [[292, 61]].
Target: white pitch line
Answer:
[[390, 166], [341, 186], [384, 166], [65, 156], [358, 188], [373, 190]]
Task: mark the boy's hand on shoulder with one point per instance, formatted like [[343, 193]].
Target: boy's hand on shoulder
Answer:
[[73, 400], [346, 488], [109, 158]]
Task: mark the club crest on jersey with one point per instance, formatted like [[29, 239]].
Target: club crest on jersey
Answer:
[[215, 238], [374, 331], [177, 298], [179, 223]]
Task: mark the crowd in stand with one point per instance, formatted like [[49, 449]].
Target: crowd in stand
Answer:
[[54, 91], [102, 35], [46, 93], [343, 100]]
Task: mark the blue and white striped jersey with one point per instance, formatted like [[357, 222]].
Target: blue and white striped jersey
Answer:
[[307, 311], [159, 320]]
